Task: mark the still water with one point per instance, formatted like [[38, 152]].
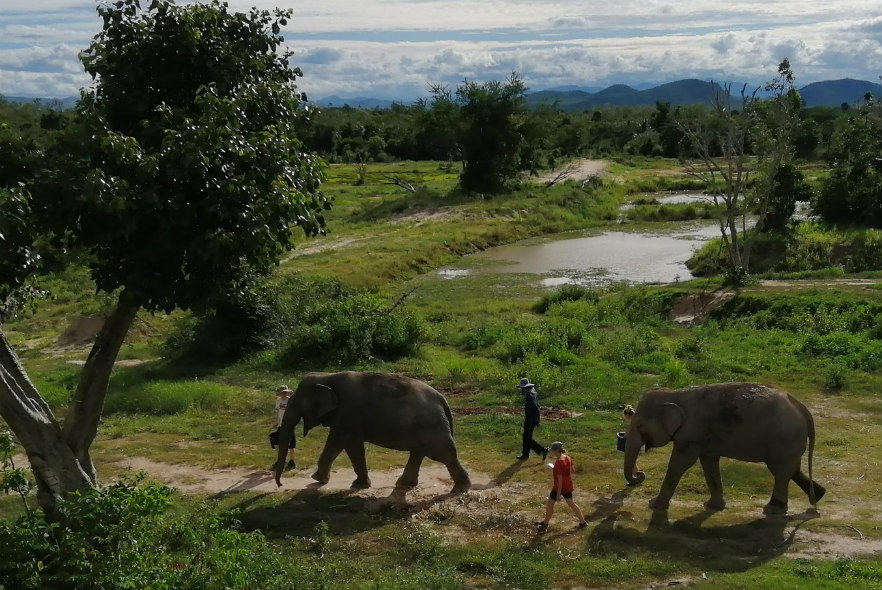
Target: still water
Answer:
[[611, 256]]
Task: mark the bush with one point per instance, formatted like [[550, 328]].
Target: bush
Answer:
[[353, 329], [565, 293], [835, 377], [308, 320], [122, 536]]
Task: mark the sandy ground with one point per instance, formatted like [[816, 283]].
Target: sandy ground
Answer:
[[576, 170], [434, 480]]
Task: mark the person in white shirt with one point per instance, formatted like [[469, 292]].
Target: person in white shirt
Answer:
[[283, 394]]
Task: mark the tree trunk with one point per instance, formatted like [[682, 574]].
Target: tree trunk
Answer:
[[56, 469], [84, 413]]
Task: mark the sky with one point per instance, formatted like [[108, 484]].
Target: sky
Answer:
[[398, 49]]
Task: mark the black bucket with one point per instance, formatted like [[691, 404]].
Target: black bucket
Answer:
[[621, 439]]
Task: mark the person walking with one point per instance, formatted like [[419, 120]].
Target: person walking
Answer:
[[531, 421], [561, 487]]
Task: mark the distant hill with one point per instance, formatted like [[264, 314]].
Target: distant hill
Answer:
[[59, 103], [357, 102], [835, 92], [682, 92]]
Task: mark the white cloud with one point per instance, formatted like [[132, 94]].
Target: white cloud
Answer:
[[400, 47]]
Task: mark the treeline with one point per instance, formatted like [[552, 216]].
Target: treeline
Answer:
[[426, 130]]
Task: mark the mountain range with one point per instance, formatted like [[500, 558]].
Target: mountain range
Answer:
[[577, 98], [681, 92]]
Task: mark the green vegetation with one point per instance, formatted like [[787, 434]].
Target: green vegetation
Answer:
[[588, 349], [195, 391], [809, 246]]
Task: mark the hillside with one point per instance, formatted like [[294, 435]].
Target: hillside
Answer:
[[836, 92]]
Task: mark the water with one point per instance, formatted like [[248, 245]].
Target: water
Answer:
[[612, 256]]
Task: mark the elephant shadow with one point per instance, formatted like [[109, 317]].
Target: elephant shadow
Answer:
[[345, 511], [723, 548]]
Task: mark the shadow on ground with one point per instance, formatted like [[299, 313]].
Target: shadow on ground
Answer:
[[345, 511], [723, 548]]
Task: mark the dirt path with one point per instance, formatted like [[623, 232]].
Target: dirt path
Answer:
[[434, 480], [806, 535], [580, 169]]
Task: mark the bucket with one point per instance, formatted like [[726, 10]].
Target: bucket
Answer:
[[621, 439]]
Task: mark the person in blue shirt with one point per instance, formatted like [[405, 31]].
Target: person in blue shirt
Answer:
[[531, 421]]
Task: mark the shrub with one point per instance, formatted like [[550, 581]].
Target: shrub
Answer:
[[675, 373], [565, 293], [835, 377], [353, 329], [122, 536]]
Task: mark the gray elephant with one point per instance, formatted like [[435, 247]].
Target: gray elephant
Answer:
[[745, 421], [391, 411]]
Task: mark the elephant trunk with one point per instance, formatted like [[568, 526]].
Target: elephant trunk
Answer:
[[632, 449], [286, 436]]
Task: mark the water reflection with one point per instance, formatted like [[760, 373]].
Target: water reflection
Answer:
[[613, 256]]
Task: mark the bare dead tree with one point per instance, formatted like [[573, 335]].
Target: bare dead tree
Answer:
[[751, 137], [720, 160], [564, 174], [398, 181]]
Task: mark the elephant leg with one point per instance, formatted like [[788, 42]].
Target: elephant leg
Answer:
[[446, 454], [333, 448], [681, 460], [411, 475], [807, 486], [782, 472], [355, 451], [711, 468]]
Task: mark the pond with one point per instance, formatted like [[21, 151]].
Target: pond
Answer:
[[611, 256]]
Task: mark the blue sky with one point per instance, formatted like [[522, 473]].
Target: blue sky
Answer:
[[397, 49]]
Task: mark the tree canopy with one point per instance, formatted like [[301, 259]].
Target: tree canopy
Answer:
[[181, 177]]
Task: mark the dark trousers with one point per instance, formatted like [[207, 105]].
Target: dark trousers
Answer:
[[529, 443]]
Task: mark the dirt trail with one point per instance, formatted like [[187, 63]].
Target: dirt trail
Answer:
[[434, 480], [822, 539]]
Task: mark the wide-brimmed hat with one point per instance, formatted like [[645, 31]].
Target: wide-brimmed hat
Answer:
[[525, 383], [283, 389], [556, 446]]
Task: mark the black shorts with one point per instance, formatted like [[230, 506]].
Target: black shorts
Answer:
[[566, 495]]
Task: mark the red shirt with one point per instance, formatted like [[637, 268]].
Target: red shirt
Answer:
[[563, 469]]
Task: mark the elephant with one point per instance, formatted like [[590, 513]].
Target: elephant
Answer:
[[745, 421], [388, 410]]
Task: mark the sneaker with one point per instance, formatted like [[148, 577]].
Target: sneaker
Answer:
[[290, 465], [544, 453], [541, 527], [521, 457]]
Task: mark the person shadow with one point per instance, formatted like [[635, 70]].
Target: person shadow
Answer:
[[251, 481], [502, 477], [723, 548]]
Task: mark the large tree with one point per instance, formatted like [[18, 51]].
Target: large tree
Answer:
[[182, 179], [491, 134], [852, 194]]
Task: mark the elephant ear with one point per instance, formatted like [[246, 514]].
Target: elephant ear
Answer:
[[672, 418], [323, 401]]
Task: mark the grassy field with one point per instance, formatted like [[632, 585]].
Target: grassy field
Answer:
[[588, 350]]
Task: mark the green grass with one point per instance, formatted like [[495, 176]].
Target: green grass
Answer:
[[589, 351]]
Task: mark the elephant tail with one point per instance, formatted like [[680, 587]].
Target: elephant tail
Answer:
[[447, 413], [810, 424]]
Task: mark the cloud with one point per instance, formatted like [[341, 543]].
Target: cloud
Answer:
[[324, 55], [397, 48], [570, 22]]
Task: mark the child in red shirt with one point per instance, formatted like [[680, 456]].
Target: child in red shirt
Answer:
[[562, 486]]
